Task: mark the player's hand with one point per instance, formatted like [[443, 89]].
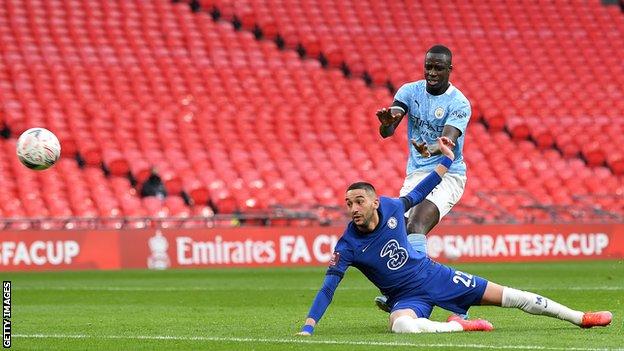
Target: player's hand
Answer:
[[388, 116], [422, 148], [302, 333], [446, 146]]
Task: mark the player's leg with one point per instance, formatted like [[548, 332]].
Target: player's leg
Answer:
[[406, 321], [411, 315], [422, 218], [425, 216], [532, 303]]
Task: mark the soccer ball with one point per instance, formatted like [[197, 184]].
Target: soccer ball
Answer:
[[38, 149]]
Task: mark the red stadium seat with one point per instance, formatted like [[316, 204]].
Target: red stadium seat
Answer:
[[617, 166], [495, 122], [115, 162], [544, 139], [594, 155], [520, 131]]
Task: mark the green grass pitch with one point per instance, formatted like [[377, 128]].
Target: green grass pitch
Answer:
[[262, 309]]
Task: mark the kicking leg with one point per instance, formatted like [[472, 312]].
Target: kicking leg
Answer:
[[406, 321], [535, 304], [422, 218]]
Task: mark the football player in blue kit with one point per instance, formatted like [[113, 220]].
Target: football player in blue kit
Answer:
[[375, 242]]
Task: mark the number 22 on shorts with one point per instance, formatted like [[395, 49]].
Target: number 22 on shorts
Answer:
[[464, 278]]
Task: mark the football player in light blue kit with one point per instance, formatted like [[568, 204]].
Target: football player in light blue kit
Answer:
[[375, 242], [434, 108]]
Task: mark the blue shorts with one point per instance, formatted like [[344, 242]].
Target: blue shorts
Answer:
[[447, 288]]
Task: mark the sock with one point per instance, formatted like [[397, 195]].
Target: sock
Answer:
[[536, 304], [418, 242], [407, 324]]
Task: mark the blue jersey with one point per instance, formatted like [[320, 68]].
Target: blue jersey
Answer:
[[409, 278], [384, 256], [427, 116]]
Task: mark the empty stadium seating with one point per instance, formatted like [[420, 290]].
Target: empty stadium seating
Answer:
[[535, 61], [486, 33], [132, 86]]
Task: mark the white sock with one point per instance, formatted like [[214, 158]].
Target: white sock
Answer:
[[536, 304], [407, 324]]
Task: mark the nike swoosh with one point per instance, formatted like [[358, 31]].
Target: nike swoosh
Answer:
[[364, 249]]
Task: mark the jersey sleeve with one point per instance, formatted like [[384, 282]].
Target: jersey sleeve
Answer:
[[324, 297], [341, 259], [399, 202], [459, 116], [402, 97]]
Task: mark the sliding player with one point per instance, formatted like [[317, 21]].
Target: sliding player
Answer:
[[376, 243]]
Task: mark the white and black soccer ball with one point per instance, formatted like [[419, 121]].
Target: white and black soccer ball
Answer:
[[38, 149]]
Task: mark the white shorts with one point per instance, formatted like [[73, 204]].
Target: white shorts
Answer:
[[444, 196]]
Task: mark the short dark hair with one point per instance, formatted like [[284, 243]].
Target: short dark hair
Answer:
[[362, 185], [441, 49]]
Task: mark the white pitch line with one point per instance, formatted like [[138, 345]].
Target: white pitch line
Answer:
[[234, 288], [166, 289], [306, 341]]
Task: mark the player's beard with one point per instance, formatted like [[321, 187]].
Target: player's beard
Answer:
[[366, 219]]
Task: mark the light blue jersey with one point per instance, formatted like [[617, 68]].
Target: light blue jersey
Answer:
[[428, 114]]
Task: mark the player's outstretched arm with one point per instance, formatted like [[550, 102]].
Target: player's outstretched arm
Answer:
[[389, 118], [321, 302], [445, 145], [422, 189]]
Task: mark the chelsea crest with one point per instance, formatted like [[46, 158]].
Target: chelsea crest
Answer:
[[392, 223]]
